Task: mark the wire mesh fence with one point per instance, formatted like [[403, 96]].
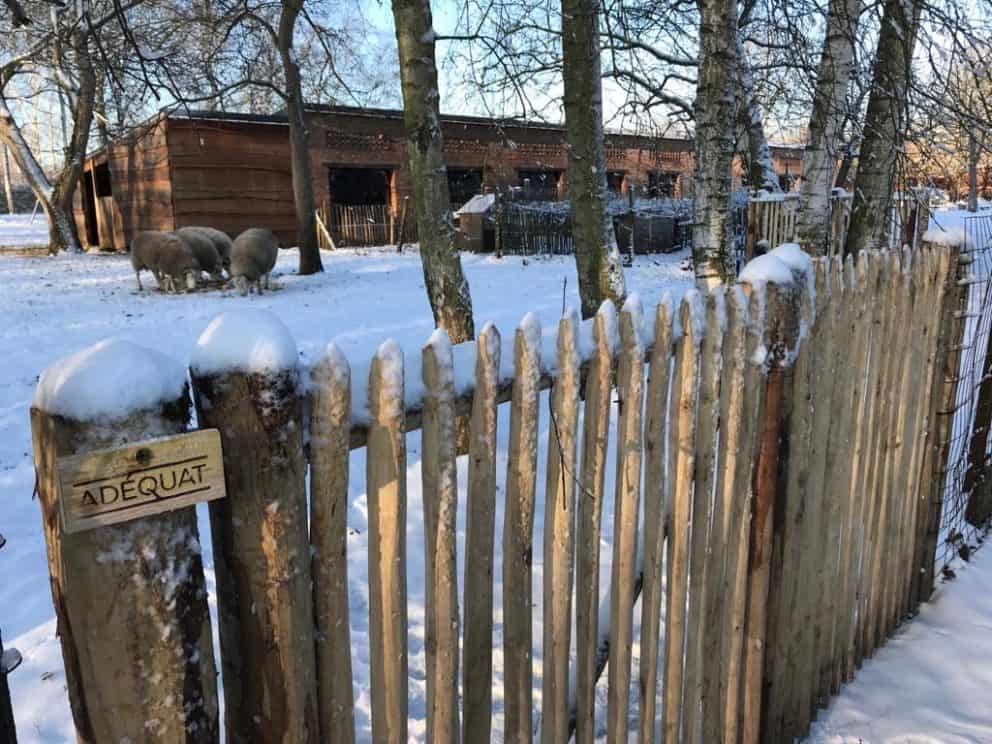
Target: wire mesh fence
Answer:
[[966, 500]]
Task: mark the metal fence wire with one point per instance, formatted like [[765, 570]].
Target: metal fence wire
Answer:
[[965, 496]]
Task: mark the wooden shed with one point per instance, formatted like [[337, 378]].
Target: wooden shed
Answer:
[[229, 171]]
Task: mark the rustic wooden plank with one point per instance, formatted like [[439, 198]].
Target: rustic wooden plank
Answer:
[[518, 532], [595, 437], [262, 554], [559, 534], [786, 627], [626, 510], [330, 412], [440, 489], [682, 446], [704, 476], [657, 495], [950, 336], [741, 406], [780, 311], [477, 674], [114, 612], [386, 484], [110, 486]]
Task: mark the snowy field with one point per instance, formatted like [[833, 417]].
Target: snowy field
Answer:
[[19, 231], [929, 683]]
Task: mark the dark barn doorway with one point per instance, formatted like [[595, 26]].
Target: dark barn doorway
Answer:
[[352, 186], [92, 236]]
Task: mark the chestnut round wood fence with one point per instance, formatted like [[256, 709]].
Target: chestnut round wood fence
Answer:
[[778, 450]]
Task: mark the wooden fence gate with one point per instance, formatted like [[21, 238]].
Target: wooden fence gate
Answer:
[[776, 445]]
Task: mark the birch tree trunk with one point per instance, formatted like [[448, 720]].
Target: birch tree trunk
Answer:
[[597, 258], [712, 234], [884, 127], [447, 288], [34, 174], [299, 143], [972, 172], [7, 190], [826, 123], [761, 173]]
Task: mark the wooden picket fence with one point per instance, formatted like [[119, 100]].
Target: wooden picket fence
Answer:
[[773, 219], [362, 225], [783, 441]]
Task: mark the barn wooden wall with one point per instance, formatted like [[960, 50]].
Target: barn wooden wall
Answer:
[[232, 176]]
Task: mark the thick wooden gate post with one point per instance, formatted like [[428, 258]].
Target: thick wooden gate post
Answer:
[[781, 314], [245, 382], [130, 598]]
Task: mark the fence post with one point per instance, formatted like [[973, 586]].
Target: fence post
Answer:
[[330, 429], [953, 303], [245, 382], [768, 482], [130, 598]]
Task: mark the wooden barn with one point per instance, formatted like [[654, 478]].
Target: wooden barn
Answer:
[[229, 172]]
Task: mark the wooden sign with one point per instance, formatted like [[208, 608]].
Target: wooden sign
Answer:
[[158, 475]]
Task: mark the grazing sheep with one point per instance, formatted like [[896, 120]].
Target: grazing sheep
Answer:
[[253, 256], [204, 249], [222, 242], [167, 256]]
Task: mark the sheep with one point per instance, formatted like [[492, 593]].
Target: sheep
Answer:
[[222, 242], [204, 249], [167, 256], [253, 256]]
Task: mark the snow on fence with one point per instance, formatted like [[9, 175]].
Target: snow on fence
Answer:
[[773, 460]]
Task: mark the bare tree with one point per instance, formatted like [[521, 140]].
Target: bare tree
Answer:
[[597, 258], [885, 126], [712, 234], [447, 288], [826, 122]]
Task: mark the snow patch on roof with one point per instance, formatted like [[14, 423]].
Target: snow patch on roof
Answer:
[[111, 379], [478, 204], [253, 341]]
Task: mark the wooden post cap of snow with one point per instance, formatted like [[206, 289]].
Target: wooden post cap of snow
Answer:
[[246, 384], [130, 598]]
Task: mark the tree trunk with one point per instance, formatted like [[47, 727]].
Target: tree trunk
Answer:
[[761, 173], [825, 125], [33, 173], [597, 258], [299, 143], [7, 191], [972, 172], [64, 188], [447, 288], [884, 128], [712, 234]]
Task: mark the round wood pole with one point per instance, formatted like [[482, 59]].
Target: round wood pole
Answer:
[[130, 598], [260, 541]]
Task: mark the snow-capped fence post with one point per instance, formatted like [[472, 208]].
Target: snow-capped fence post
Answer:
[[559, 533], [440, 498], [477, 683], [330, 429], [682, 444], [954, 272], [518, 532], [130, 598], [595, 436], [386, 487], [246, 384], [781, 333]]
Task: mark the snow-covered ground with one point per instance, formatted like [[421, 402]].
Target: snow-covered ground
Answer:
[[55, 306], [21, 231], [929, 683]]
